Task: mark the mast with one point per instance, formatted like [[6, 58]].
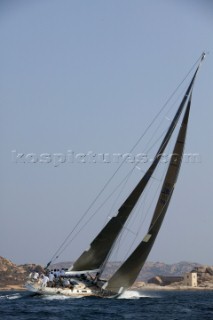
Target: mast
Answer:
[[93, 259], [126, 275]]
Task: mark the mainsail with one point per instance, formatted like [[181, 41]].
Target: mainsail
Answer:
[[93, 259], [125, 276]]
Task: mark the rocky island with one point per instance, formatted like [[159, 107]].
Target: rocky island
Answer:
[[12, 276]]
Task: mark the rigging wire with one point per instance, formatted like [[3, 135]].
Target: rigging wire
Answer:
[[162, 121], [119, 194], [142, 200], [168, 199], [132, 221], [157, 191], [97, 210], [148, 210], [63, 245], [124, 180]]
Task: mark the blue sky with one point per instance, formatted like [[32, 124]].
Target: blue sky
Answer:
[[90, 76]]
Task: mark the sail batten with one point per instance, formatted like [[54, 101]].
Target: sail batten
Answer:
[[102, 245], [125, 276]]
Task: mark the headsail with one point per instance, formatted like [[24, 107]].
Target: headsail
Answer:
[[126, 275], [94, 258]]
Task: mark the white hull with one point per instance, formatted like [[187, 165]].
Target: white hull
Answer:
[[77, 292]]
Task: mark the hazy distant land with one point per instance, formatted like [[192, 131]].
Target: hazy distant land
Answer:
[[154, 275]]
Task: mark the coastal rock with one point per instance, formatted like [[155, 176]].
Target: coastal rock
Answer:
[[14, 276]]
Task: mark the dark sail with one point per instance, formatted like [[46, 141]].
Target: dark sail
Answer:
[[126, 275], [94, 258]]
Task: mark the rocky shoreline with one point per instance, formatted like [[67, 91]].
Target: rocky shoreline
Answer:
[[13, 277]]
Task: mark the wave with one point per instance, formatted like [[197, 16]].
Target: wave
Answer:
[[11, 296], [54, 297], [130, 294]]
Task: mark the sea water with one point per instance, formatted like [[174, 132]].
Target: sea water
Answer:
[[165, 305]]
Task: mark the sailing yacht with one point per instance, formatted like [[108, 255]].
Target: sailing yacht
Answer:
[[84, 276]]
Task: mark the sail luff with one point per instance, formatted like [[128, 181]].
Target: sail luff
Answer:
[[100, 248], [125, 276]]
